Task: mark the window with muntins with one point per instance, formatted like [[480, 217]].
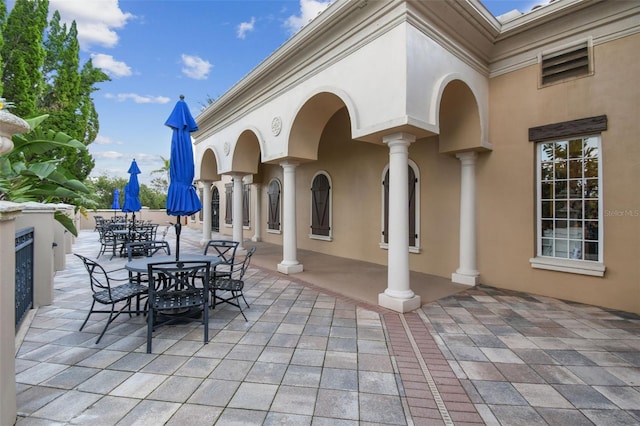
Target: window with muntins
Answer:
[[569, 212], [321, 206], [273, 192]]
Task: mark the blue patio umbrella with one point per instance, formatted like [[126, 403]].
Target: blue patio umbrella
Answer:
[[132, 191], [115, 205], [182, 199]]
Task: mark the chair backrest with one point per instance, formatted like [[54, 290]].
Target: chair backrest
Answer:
[[138, 248], [97, 275], [155, 246], [239, 267], [180, 276], [224, 249]]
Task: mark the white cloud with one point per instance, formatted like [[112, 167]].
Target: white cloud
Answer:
[[108, 155], [309, 9], [195, 67], [109, 65], [96, 20], [139, 99], [103, 140], [246, 27]]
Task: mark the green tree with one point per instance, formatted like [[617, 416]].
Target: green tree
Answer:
[[161, 184], [23, 55], [27, 175], [103, 186], [88, 118], [61, 96], [3, 17]]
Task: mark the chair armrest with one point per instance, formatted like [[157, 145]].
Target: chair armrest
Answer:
[[111, 276]]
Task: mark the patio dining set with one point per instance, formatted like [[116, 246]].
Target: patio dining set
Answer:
[[116, 233], [167, 288]]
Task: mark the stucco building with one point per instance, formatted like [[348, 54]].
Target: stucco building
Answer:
[[432, 136]]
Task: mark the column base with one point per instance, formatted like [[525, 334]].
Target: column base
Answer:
[[470, 280], [399, 305], [290, 268]]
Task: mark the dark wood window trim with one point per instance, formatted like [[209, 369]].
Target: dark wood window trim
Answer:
[[245, 204], [412, 183], [215, 210], [274, 206], [565, 129], [320, 207], [228, 216]]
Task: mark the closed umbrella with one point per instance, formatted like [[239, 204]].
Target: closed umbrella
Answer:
[[182, 199], [115, 205], [131, 192]]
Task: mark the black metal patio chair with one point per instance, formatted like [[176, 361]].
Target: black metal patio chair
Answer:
[[106, 293], [108, 240], [226, 251], [232, 284], [174, 293]]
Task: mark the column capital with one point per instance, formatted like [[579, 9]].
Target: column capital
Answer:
[[288, 164], [400, 137], [468, 157], [9, 210], [204, 183]]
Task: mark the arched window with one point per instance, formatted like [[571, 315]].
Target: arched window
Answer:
[[273, 223], [413, 208], [215, 210], [228, 211], [321, 206], [246, 192], [246, 196]]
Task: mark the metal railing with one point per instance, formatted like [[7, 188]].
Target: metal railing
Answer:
[[24, 273]]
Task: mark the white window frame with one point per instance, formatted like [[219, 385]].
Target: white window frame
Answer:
[[577, 266], [416, 171], [330, 200]]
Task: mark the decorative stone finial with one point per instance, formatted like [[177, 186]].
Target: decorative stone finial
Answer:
[[9, 126]]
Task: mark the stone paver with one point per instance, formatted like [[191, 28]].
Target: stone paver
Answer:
[[310, 356]]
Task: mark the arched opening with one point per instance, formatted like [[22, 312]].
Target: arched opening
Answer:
[[460, 128]]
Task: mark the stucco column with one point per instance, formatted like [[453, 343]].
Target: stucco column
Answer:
[[289, 264], [206, 211], [8, 212], [237, 210], [467, 272], [398, 296], [257, 221]]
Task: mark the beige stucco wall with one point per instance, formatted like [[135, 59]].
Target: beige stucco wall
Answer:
[[155, 216], [505, 184], [505, 170], [506, 178], [356, 171]]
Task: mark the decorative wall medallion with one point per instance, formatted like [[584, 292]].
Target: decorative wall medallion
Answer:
[[227, 148], [276, 126]]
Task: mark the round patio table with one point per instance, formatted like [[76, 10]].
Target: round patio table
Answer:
[[141, 264]]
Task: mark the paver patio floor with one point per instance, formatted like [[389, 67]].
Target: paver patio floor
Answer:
[[311, 355]]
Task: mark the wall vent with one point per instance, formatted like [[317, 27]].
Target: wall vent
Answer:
[[566, 63]]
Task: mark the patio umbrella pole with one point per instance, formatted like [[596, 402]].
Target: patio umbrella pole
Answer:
[[178, 226]]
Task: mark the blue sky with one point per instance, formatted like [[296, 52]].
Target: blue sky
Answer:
[[156, 50]]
